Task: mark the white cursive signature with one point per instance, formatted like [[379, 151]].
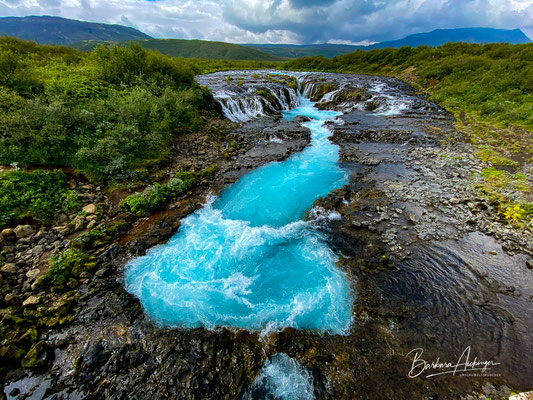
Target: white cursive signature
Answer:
[[462, 365]]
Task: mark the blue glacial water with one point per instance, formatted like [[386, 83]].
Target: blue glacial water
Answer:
[[248, 259]]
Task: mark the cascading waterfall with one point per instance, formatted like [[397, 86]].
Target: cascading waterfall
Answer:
[[308, 89], [242, 110], [241, 105], [270, 97]]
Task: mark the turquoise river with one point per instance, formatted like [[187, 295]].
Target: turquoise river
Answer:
[[249, 258]]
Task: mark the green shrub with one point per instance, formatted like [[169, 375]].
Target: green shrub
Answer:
[[157, 195], [67, 265], [109, 113], [210, 171], [39, 194]]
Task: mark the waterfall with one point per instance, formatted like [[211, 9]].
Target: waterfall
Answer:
[[330, 96], [258, 98], [308, 89], [270, 95], [239, 108]]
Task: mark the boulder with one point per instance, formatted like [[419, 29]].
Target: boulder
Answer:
[[7, 232], [89, 209], [9, 268], [33, 273], [79, 222], [39, 355], [22, 231], [62, 219]]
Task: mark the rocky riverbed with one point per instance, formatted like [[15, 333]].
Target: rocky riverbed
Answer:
[[432, 264]]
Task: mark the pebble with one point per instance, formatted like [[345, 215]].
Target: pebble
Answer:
[[30, 301]]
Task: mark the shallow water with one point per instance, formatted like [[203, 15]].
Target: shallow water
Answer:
[[247, 259]]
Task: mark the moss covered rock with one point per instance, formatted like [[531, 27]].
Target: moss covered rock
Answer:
[[38, 356]]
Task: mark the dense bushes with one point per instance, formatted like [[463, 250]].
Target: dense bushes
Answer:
[[39, 194], [157, 195], [494, 81], [133, 65], [108, 113]]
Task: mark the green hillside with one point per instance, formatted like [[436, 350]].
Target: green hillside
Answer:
[[306, 50], [56, 30], [194, 49]]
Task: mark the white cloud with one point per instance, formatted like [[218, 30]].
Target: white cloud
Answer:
[[288, 21]]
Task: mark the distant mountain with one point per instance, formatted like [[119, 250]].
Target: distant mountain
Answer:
[[194, 49], [435, 38], [56, 30], [439, 37]]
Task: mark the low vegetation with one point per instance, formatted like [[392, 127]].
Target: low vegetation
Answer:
[[66, 266], [39, 194], [157, 195], [200, 49]]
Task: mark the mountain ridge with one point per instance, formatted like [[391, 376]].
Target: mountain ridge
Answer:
[[434, 38], [57, 30]]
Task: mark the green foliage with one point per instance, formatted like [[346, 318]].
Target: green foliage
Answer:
[[200, 49], [39, 194], [507, 191], [157, 195], [132, 65], [65, 266], [210, 171], [490, 155], [110, 113]]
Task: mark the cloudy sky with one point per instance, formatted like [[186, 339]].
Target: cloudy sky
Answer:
[[286, 21]]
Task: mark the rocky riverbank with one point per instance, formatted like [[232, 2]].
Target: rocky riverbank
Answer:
[[75, 334], [431, 263]]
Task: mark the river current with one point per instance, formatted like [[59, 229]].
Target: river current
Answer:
[[249, 258]]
